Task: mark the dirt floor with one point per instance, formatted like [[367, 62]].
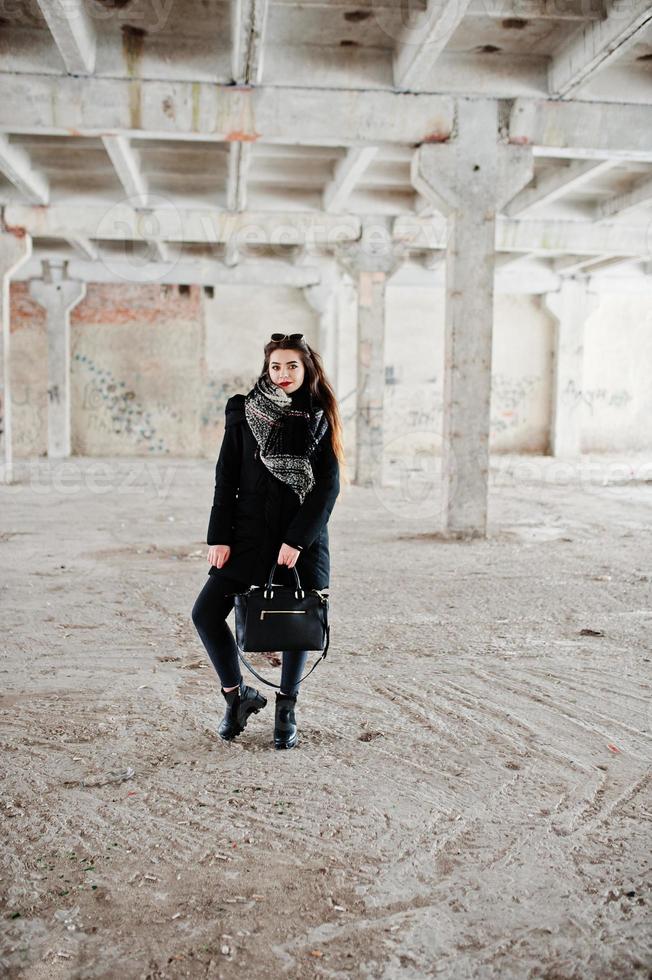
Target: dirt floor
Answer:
[[468, 795]]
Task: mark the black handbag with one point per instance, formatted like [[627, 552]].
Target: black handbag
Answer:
[[281, 617]]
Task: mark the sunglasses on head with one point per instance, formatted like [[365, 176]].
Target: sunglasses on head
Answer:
[[287, 336]]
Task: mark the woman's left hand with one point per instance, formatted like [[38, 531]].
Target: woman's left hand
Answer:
[[288, 555]]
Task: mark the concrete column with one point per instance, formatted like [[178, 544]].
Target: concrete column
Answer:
[[469, 179], [371, 261], [58, 296], [15, 249], [323, 298], [570, 307]]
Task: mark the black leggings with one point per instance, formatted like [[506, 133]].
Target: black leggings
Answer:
[[209, 613]]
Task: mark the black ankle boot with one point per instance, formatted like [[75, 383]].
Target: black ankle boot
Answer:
[[285, 726], [240, 703]]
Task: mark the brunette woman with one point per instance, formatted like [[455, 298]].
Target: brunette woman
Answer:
[[276, 481]]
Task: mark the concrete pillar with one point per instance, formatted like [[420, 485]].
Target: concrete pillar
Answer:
[[58, 296], [15, 249], [370, 262], [323, 298], [469, 179], [570, 307]]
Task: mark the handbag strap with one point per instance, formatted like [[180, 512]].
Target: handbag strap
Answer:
[[269, 683]]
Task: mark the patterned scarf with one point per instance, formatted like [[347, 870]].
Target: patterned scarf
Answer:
[[288, 429]]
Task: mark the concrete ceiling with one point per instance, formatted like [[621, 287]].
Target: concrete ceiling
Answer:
[[283, 108]]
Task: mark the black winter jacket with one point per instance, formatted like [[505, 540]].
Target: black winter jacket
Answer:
[[255, 513]]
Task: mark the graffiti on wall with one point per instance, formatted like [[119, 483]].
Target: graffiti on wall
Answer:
[[510, 400], [596, 397], [113, 407], [218, 392]]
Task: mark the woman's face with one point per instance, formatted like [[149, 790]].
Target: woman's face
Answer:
[[286, 369]]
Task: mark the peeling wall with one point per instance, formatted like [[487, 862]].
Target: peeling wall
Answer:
[[136, 363]]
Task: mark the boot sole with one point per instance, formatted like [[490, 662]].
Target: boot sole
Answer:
[[253, 711], [286, 745]]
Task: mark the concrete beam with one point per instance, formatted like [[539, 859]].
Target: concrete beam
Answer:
[[207, 225], [41, 104], [570, 10], [33, 103], [544, 237], [571, 265], [639, 196], [239, 163], [203, 272], [420, 44], [84, 247], [17, 167], [127, 166], [348, 172], [73, 32], [15, 251], [614, 130], [596, 45], [554, 185], [248, 27]]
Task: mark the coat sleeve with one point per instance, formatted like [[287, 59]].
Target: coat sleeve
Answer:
[[313, 514], [227, 473]]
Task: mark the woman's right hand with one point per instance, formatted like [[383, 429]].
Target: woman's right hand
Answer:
[[218, 554]]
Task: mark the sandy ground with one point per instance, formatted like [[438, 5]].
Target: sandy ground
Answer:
[[468, 796]]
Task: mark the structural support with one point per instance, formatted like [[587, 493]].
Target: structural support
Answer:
[[58, 296], [248, 26], [469, 179], [420, 44], [73, 32], [570, 307], [323, 299], [370, 262], [597, 45], [15, 249]]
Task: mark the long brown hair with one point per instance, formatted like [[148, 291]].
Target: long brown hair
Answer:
[[319, 386]]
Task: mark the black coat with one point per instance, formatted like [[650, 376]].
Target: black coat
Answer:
[[255, 513]]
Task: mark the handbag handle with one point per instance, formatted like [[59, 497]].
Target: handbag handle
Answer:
[[269, 683], [269, 592]]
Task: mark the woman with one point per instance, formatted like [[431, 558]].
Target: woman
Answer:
[[276, 481]]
